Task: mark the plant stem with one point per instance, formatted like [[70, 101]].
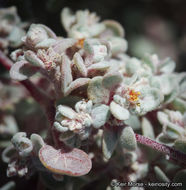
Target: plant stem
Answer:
[[5, 61], [174, 154], [40, 96]]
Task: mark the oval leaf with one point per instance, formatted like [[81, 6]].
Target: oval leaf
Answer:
[[73, 163]]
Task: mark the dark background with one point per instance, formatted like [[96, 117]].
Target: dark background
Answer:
[[162, 24]]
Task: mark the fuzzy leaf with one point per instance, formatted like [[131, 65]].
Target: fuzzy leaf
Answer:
[[179, 104], [22, 144], [114, 27], [180, 145], [147, 128], [100, 115], [160, 175], [119, 112], [127, 139], [74, 162], [15, 71], [109, 142], [133, 121], [78, 61], [15, 37], [66, 73], [37, 142], [46, 43], [63, 44], [76, 84], [66, 111], [111, 80], [150, 99], [9, 186], [118, 45], [164, 120], [32, 58], [96, 92]]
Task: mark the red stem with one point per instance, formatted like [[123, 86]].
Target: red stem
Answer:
[[174, 154], [5, 61], [40, 96]]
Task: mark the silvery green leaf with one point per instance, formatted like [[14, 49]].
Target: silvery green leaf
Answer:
[[165, 83], [118, 111], [180, 178], [8, 153], [118, 45], [15, 71], [179, 104], [66, 135], [163, 139], [133, 121], [79, 82], [96, 92], [58, 127], [109, 142], [182, 85], [110, 80], [100, 114], [67, 18], [150, 99], [167, 66], [66, 111], [66, 73], [83, 106], [114, 27], [129, 158], [37, 142], [62, 45], [147, 128], [160, 175], [119, 100], [49, 32], [46, 43], [96, 29], [180, 144], [78, 61], [128, 139], [164, 120], [35, 34], [15, 37], [96, 49], [32, 58], [103, 65], [22, 144], [10, 124], [133, 65], [9, 186]]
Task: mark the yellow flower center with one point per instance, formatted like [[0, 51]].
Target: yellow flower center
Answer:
[[134, 96], [80, 42]]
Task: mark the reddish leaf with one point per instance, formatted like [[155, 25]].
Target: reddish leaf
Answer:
[[74, 162]]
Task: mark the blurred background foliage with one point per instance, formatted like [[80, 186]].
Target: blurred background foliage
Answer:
[[150, 25]]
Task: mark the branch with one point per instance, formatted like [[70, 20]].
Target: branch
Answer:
[[174, 154], [40, 96]]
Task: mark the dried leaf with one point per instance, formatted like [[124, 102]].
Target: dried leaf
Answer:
[[73, 163]]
